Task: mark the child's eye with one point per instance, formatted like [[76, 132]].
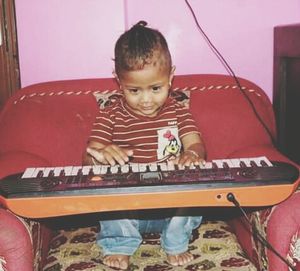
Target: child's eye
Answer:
[[133, 90], [156, 88]]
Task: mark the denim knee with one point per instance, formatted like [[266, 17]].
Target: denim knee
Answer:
[[119, 236], [177, 233]]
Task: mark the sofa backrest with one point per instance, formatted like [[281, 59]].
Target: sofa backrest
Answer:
[[52, 120]]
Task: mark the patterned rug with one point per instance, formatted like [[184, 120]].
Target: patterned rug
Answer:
[[213, 244]]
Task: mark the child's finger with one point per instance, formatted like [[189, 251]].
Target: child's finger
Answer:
[[129, 152], [96, 154], [102, 156], [120, 155]]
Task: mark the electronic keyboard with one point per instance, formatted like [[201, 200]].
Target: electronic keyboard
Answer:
[[57, 191]]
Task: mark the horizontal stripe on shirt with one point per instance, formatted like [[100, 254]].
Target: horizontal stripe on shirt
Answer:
[[117, 125]]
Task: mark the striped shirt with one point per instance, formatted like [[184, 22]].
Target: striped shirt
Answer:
[[152, 139]]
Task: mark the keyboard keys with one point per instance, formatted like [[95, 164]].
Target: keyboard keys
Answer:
[[96, 169], [68, 170], [216, 166], [38, 172], [235, 162], [245, 162], [171, 166], [104, 169], [86, 170], [28, 173], [114, 169], [163, 166], [134, 167], [75, 170], [153, 167], [217, 163], [142, 167], [125, 168], [208, 165], [58, 171], [266, 161]]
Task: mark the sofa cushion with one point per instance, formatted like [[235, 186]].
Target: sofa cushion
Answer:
[[53, 127], [213, 244], [229, 123]]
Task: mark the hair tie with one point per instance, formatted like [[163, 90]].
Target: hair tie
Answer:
[[141, 23]]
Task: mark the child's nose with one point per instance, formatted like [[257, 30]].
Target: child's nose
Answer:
[[146, 97]]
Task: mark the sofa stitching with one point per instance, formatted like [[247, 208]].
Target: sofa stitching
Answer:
[[195, 88]]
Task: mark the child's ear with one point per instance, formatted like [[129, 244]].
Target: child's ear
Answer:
[[172, 75], [117, 78]]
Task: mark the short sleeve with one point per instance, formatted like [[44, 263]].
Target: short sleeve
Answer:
[[102, 129], [186, 123]]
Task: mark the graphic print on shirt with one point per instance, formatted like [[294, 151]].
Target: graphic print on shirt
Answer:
[[169, 144]]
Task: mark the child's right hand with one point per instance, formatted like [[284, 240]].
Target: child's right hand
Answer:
[[110, 154]]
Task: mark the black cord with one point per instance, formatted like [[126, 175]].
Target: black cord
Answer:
[[231, 72], [230, 196], [256, 233]]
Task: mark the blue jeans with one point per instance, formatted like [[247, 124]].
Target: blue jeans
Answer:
[[123, 236]]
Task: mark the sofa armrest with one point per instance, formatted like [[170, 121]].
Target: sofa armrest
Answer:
[[23, 242], [278, 224], [283, 231], [15, 243]]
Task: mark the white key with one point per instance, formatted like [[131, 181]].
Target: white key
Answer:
[[247, 161], [57, 171], [75, 170], [219, 163], [68, 170], [104, 169], [28, 172], [171, 166], [114, 169], [96, 169], [153, 167], [208, 165], [266, 160], [163, 166], [142, 167], [192, 166], [180, 167], [86, 170], [202, 165], [125, 168], [37, 171], [134, 167], [47, 171], [235, 162], [255, 161], [228, 162]]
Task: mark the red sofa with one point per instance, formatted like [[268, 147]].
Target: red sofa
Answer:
[[47, 124]]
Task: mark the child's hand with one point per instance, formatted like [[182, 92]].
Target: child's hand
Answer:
[[190, 157], [110, 154]]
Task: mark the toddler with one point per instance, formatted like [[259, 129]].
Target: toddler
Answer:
[[144, 126]]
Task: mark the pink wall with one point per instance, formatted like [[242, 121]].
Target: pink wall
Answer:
[[75, 38], [67, 39]]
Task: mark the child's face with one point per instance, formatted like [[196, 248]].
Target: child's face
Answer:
[[146, 90]]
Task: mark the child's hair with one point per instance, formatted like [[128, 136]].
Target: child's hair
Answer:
[[139, 46]]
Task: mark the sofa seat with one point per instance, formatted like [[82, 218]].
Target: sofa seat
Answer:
[[213, 244]]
